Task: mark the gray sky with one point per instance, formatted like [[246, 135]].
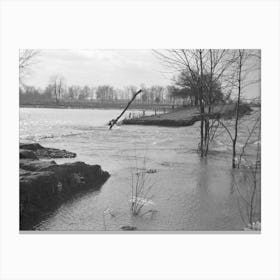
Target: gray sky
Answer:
[[117, 68]]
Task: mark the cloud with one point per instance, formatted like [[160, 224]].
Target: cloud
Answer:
[[94, 67], [117, 68]]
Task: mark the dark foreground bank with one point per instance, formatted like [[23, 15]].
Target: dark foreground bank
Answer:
[[44, 185], [188, 116]]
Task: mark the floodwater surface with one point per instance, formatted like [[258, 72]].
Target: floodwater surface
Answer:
[[187, 194]]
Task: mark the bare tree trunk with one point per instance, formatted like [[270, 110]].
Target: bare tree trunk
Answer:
[[254, 192], [196, 100], [240, 56], [207, 120], [55, 93], [207, 130], [114, 121], [251, 132], [60, 85], [201, 104]]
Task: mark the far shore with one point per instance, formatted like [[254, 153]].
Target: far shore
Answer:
[[157, 107], [101, 105], [187, 117]]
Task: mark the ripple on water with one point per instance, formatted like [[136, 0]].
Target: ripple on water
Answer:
[[188, 194]]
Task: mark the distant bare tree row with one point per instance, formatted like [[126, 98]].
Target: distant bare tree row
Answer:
[[58, 90]]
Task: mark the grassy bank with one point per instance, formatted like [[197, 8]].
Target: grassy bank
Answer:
[[187, 116]]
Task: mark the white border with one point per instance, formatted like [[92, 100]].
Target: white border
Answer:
[[159, 24]]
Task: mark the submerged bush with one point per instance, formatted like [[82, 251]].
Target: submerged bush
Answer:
[[140, 189]]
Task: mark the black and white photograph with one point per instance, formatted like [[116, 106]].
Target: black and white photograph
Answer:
[[140, 140]]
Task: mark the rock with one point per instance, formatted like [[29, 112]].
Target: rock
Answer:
[[35, 165], [30, 146], [128, 228], [44, 185], [151, 171], [54, 153], [43, 152], [27, 154]]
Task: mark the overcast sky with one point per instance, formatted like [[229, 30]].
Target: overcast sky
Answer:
[[117, 68]]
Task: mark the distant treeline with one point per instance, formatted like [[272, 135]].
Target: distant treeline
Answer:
[[183, 91], [59, 92]]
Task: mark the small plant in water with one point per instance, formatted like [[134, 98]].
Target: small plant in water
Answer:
[[255, 226], [140, 189], [105, 212]]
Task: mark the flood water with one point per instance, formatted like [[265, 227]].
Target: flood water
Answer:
[[188, 193]]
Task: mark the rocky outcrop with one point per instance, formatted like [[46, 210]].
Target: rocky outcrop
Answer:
[[27, 154], [44, 185], [36, 150], [128, 228]]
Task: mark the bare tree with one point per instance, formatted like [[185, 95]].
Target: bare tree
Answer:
[[105, 92], [205, 68], [72, 93], [190, 61], [58, 83], [251, 132], [157, 93], [242, 67], [26, 60], [217, 67], [129, 91], [85, 92], [240, 63], [247, 195]]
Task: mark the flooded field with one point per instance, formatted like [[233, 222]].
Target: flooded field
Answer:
[[188, 193]]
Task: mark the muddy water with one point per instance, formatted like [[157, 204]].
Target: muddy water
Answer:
[[187, 193]]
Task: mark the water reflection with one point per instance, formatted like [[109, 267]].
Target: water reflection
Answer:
[[245, 184]]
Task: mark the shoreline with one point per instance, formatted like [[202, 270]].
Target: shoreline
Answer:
[[45, 185], [103, 106], [187, 117]]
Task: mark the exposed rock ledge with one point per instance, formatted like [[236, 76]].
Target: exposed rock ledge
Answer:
[[44, 185], [35, 150]]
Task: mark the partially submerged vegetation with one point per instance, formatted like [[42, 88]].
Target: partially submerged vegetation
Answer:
[[141, 186], [209, 76]]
